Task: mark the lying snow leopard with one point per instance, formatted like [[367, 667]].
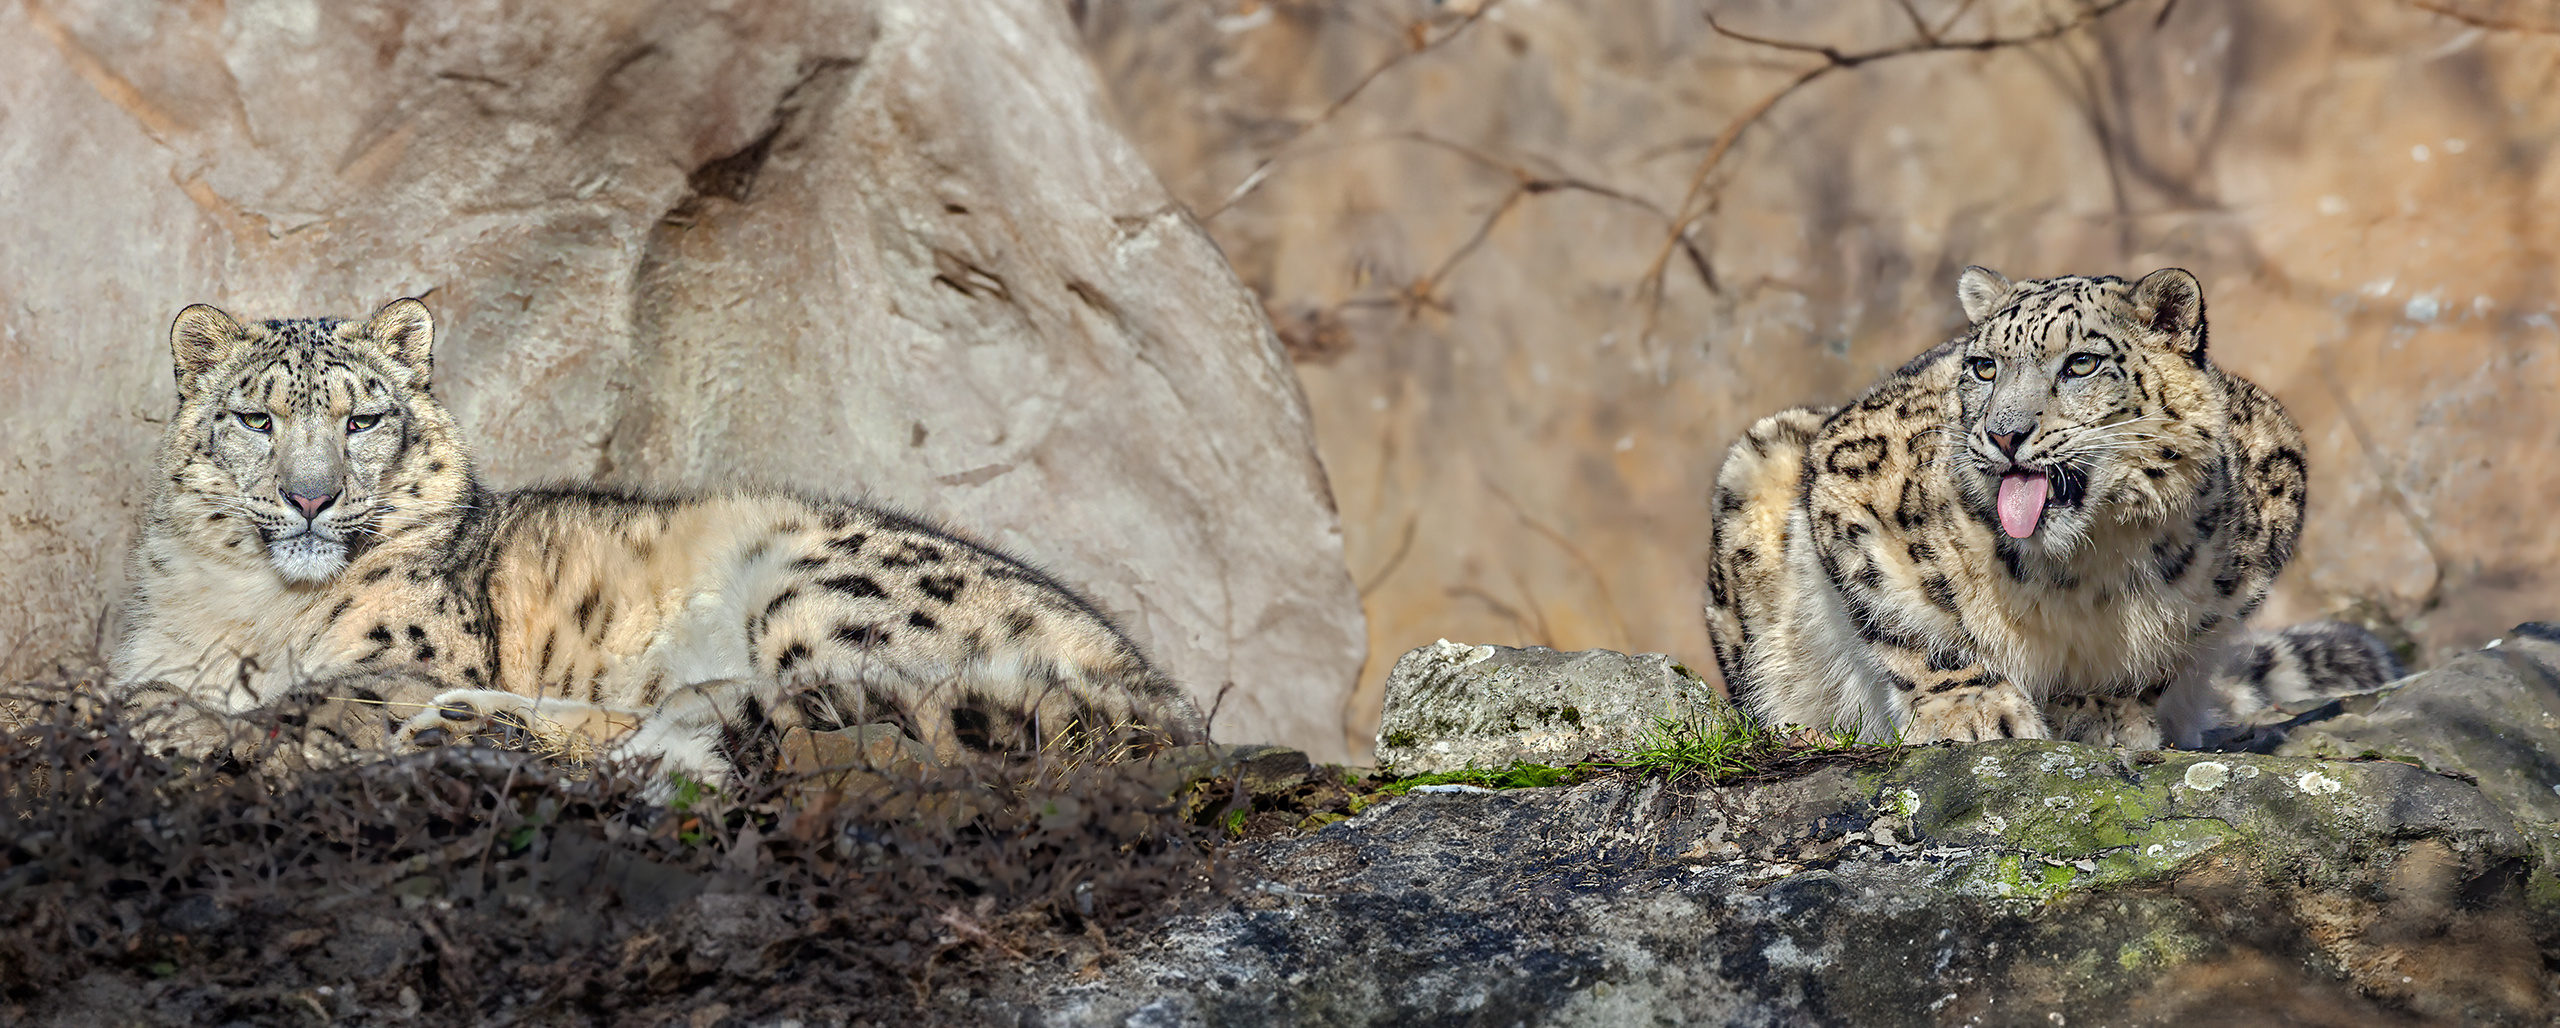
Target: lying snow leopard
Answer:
[[318, 535], [2052, 525]]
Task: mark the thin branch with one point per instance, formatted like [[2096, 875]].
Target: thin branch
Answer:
[[1565, 543], [2480, 21], [1424, 292], [1404, 545], [1417, 44], [1833, 59]]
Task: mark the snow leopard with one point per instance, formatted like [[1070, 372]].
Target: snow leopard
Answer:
[[2053, 525], [317, 536]]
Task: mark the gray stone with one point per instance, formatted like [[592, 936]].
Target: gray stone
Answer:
[[890, 248], [2007, 883], [2492, 714], [1452, 706]]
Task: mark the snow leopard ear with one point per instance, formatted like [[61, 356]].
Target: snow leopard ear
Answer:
[[202, 337], [1982, 291], [407, 333], [2170, 301]]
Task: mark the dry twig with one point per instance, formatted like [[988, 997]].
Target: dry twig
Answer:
[[1418, 41], [1924, 40]]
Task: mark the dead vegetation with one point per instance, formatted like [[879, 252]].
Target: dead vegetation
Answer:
[[481, 886]]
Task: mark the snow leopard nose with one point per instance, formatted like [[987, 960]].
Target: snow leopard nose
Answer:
[[311, 506], [2007, 428]]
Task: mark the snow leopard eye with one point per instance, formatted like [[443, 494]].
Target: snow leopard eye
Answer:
[[2081, 364], [255, 421], [361, 422], [1984, 368]]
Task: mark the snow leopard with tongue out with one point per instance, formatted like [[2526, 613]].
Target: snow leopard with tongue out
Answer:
[[2052, 526]]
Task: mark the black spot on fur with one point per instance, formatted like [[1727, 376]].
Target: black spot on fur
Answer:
[[779, 599], [791, 656], [1941, 592], [942, 588], [920, 620], [2169, 560], [1899, 683], [748, 740], [2011, 560], [1856, 458], [1981, 681], [817, 710], [861, 636], [856, 586], [756, 552], [911, 555], [375, 575], [1020, 623], [1913, 510], [809, 563], [587, 606], [972, 725], [380, 636], [850, 544]]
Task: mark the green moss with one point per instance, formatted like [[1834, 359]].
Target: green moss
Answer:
[[1400, 739], [1517, 776]]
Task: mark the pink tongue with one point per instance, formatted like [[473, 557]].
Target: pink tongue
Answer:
[[2021, 502]]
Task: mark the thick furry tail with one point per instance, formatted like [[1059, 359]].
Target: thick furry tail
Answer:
[[2303, 666]]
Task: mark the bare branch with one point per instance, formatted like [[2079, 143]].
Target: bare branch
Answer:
[[1418, 42], [1833, 59], [1919, 25], [2480, 21]]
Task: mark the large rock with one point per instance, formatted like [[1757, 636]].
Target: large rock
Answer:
[[2005, 883], [2010, 883], [891, 248], [2492, 714], [1451, 706], [1523, 440]]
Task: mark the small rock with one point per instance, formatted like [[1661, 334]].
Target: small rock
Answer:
[[1451, 706]]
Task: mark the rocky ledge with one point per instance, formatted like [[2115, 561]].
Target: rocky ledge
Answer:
[[2000, 883]]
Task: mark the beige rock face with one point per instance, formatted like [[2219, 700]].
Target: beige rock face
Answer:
[[885, 248], [1522, 420]]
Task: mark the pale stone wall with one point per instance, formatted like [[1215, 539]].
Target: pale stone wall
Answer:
[[890, 248]]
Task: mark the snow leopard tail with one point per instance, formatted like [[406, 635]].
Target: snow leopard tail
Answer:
[[2300, 667]]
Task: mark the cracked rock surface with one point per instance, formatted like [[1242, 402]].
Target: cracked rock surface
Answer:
[[2005, 883], [890, 248]]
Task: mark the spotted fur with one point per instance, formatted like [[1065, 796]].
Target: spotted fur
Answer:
[[318, 536], [1861, 575]]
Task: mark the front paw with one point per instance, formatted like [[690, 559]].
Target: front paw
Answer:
[[471, 717], [2121, 721], [1976, 714]]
